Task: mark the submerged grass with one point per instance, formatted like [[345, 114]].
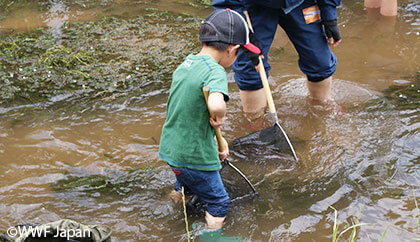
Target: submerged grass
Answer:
[[96, 59], [119, 184], [60, 56], [10, 5], [400, 97], [405, 96]]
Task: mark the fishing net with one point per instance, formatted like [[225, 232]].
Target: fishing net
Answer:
[[261, 146], [262, 151]]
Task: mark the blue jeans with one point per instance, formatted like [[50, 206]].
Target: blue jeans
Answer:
[[208, 187], [316, 60]]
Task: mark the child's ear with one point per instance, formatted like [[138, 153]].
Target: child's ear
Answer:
[[233, 48]]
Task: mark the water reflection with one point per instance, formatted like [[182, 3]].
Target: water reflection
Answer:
[[100, 166], [56, 17], [96, 162]]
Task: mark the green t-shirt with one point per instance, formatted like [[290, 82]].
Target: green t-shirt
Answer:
[[187, 138]]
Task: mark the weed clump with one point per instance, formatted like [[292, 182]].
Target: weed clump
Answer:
[[405, 96], [95, 59], [122, 184]]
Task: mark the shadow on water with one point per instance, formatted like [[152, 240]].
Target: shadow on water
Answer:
[[80, 127]]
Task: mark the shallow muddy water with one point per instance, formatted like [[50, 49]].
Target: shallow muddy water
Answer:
[[96, 161]]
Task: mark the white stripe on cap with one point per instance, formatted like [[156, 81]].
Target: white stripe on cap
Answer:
[[231, 23], [245, 24]]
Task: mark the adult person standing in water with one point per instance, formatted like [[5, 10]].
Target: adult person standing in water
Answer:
[[311, 25], [387, 7]]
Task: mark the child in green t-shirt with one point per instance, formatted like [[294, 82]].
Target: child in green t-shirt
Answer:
[[187, 143]]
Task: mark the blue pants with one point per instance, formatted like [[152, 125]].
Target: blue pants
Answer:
[[316, 60], [208, 187]]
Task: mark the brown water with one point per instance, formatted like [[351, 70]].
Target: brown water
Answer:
[[367, 159]]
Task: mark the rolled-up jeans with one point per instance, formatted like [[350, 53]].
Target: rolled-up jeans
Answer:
[[208, 187]]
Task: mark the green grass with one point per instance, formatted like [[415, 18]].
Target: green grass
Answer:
[[383, 235], [185, 214], [356, 224], [418, 216], [337, 234]]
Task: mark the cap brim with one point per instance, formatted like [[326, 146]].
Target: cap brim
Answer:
[[254, 49]]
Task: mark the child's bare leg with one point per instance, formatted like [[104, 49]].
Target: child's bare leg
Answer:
[[214, 223], [389, 7], [372, 3]]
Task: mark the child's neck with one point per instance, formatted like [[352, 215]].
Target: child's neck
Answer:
[[213, 53]]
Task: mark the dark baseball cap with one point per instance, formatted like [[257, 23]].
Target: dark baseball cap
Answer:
[[230, 27]]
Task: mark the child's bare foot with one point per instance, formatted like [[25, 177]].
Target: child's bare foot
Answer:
[[214, 223]]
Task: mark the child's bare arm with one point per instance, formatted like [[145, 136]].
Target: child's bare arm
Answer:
[[217, 107]]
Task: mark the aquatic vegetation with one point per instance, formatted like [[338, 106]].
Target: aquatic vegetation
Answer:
[[200, 4], [417, 207], [353, 228], [205, 2], [9, 5], [134, 180], [356, 224], [59, 56], [6, 5], [405, 96], [401, 96], [96, 59]]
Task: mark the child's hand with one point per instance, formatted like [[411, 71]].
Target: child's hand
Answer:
[[217, 122], [223, 155]]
